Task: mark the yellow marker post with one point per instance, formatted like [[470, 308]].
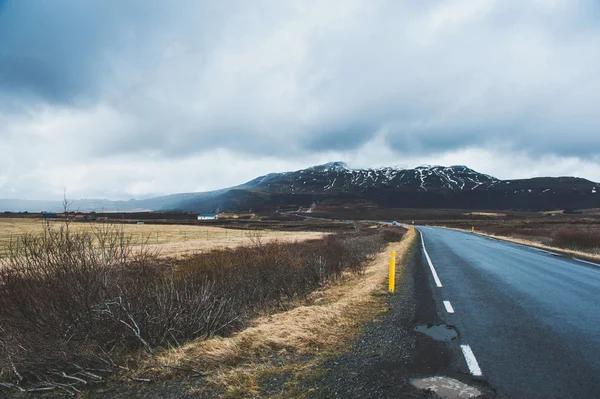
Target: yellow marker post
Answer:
[[473, 229], [392, 282]]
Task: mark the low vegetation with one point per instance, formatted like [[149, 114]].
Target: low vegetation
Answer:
[[577, 239], [202, 236], [76, 306]]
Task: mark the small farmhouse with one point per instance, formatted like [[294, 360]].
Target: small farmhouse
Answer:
[[208, 216]]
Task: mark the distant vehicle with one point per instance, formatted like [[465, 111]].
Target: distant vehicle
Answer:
[[140, 223], [394, 223]]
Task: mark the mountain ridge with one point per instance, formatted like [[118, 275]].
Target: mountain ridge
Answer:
[[427, 186]]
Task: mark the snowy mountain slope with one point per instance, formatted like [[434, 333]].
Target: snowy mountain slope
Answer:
[[338, 177], [422, 187]]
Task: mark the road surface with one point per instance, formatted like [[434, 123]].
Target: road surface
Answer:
[[528, 321]]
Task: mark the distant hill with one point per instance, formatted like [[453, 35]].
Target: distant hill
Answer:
[[422, 187]]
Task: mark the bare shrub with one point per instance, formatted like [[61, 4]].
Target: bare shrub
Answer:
[[51, 295], [576, 239], [393, 234], [72, 303], [275, 272]]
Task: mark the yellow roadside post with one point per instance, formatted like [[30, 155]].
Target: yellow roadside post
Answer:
[[473, 229], [392, 282]]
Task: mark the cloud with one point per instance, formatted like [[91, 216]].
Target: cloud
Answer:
[[100, 89]]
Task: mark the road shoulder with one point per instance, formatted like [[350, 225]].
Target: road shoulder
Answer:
[[389, 353], [279, 353]]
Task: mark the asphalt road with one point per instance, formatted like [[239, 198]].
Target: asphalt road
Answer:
[[531, 319]]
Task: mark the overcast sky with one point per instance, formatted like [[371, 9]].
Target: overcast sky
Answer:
[[129, 99]]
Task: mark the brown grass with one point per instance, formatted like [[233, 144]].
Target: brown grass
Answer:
[[492, 214], [577, 239], [74, 301], [331, 317], [171, 240], [236, 238]]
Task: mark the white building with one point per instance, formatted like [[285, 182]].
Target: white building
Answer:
[[208, 216]]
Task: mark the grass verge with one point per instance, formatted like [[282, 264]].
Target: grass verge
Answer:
[[285, 347], [76, 307]]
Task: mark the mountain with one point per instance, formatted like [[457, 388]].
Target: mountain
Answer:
[[422, 187], [337, 177]]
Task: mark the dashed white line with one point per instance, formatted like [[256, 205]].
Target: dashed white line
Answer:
[[542, 250], [471, 361], [435, 275], [449, 307], [474, 368], [585, 261]]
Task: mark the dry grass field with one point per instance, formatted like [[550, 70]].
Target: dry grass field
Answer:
[[170, 240], [88, 305], [281, 343]]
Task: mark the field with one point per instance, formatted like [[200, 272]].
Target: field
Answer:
[[93, 299], [212, 299], [579, 231], [170, 239]]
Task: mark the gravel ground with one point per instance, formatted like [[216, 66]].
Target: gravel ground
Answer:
[[389, 353]]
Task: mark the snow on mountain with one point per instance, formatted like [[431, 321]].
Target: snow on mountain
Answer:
[[425, 186], [338, 177]]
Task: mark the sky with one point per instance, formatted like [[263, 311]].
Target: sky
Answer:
[[124, 99]]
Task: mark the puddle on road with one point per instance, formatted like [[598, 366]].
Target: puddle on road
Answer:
[[447, 388], [439, 333]]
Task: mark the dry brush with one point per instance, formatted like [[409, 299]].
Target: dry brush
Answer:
[[77, 306]]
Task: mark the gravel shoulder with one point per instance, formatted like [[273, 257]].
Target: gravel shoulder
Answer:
[[389, 353]]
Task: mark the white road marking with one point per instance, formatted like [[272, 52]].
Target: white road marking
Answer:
[[435, 275], [449, 307], [585, 261], [471, 361], [546, 252]]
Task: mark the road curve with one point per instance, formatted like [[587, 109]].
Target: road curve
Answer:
[[531, 319]]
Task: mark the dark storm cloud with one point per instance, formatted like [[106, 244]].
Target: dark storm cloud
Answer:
[[290, 79], [339, 136], [52, 49], [199, 76], [65, 49]]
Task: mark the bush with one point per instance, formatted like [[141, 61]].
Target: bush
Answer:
[[75, 302], [576, 239], [393, 235]]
